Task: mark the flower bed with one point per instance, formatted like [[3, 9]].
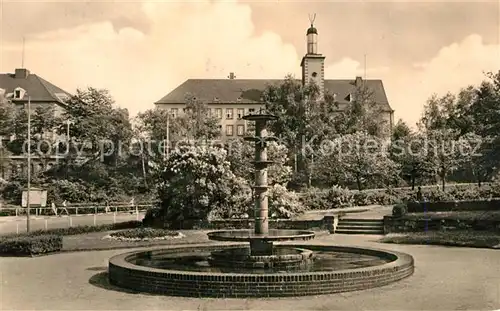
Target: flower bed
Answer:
[[144, 234]]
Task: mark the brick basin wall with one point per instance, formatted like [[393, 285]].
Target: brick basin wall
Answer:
[[124, 274]]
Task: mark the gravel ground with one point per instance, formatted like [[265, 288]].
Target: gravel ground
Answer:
[[445, 278]]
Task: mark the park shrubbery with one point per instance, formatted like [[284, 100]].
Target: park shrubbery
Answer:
[[144, 233], [336, 197], [30, 245], [80, 229]]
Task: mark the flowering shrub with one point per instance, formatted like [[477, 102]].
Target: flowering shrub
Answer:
[[340, 197], [195, 181], [284, 203]]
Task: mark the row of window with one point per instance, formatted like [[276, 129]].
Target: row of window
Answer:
[[240, 112], [240, 130]]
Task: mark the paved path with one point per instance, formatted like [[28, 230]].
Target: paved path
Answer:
[[445, 279], [12, 224]]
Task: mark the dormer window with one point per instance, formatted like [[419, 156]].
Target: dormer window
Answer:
[[216, 99], [19, 93], [349, 98], [238, 99]]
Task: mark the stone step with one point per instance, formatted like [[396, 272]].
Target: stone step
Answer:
[[354, 227], [361, 224], [359, 231], [361, 220]]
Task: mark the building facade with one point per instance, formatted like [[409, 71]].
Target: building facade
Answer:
[[18, 88], [230, 99]]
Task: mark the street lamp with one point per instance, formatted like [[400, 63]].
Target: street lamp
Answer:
[[68, 123], [168, 137]]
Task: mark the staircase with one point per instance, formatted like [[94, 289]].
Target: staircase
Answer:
[[360, 226]]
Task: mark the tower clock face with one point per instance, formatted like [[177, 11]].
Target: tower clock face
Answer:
[[314, 74]]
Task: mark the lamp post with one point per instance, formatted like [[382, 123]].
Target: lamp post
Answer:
[[29, 167], [68, 123], [167, 147]]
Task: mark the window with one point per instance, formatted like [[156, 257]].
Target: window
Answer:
[[251, 110], [241, 113], [229, 130], [17, 94], [218, 113], [229, 113], [174, 112], [209, 112], [241, 130]]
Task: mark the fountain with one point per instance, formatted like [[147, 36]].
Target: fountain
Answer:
[[261, 253], [258, 268]]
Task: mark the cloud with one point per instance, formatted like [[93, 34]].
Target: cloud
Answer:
[[348, 68], [455, 66], [202, 39]]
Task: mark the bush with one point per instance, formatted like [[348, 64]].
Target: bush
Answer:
[[30, 245], [339, 197], [80, 229], [144, 233], [315, 199], [284, 203], [399, 210]]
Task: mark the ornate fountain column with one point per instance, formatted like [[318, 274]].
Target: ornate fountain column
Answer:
[[261, 246], [261, 212]]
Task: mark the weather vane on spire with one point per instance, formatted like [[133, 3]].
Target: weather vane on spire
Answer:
[[312, 18]]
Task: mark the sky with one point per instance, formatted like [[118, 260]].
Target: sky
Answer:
[[141, 50]]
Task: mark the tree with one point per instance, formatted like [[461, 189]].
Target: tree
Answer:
[[362, 114], [446, 153], [409, 151], [241, 154], [304, 120], [358, 159]]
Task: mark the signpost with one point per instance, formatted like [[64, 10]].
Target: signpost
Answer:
[[37, 198]]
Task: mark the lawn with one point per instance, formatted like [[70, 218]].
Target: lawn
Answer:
[[480, 239]]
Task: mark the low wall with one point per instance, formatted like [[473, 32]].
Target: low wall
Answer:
[[484, 205], [411, 224], [327, 223]]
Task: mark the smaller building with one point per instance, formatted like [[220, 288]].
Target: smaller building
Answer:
[[19, 88]]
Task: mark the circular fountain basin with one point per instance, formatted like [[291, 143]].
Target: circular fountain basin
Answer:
[[186, 271], [274, 235]]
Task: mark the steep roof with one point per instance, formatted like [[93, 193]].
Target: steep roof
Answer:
[[38, 88], [249, 90]]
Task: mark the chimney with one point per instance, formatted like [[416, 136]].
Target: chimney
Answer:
[[358, 81], [21, 73], [231, 76]]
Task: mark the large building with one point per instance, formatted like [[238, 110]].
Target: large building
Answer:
[[230, 99], [18, 88]]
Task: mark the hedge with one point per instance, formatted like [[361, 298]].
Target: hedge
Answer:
[[337, 197], [30, 245], [80, 229]]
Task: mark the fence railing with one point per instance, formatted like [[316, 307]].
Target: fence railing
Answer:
[[74, 209]]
